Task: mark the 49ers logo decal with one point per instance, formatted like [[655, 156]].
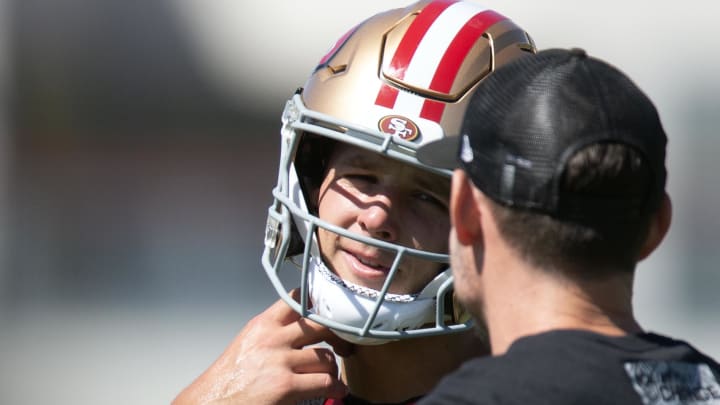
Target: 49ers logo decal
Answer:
[[400, 126]]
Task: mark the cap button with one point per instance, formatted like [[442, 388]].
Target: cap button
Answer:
[[578, 53]]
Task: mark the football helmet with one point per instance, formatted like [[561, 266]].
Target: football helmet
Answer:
[[398, 80]]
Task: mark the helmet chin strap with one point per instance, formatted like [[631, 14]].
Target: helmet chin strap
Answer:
[[351, 304]]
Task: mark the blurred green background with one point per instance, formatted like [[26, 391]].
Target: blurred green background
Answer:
[[138, 148]]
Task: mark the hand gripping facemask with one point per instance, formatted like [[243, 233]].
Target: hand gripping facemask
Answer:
[[398, 80]]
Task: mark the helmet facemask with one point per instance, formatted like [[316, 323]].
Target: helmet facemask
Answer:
[[356, 312], [398, 80]]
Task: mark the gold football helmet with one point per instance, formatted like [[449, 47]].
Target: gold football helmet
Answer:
[[396, 81]]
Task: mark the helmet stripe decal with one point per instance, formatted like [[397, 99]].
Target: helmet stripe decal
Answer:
[[454, 56], [414, 35], [444, 24], [441, 35], [409, 44]]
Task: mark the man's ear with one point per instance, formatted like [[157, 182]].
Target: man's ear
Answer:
[[464, 211], [659, 226]]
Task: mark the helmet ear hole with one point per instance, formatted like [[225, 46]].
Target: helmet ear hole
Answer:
[[297, 246], [311, 163]]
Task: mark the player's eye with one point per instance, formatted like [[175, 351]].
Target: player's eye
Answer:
[[432, 199], [360, 181]]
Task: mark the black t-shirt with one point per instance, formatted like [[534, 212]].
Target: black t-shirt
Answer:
[[580, 367]]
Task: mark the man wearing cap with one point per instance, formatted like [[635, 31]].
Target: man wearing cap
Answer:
[[558, 192]]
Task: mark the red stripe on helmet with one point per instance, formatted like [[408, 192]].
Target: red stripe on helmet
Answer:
[[453, 58], [386, 96], [432, 110], [408, 45]]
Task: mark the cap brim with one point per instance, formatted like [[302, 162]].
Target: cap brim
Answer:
[[440, 154]]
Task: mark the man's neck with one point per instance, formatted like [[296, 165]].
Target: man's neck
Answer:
[[531, 301], [396, 371]]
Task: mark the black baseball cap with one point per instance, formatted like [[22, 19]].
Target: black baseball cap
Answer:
[[532, 115]]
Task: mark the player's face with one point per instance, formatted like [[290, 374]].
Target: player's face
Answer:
[[382, 198]]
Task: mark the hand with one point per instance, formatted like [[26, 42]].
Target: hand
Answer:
[[269, 363]]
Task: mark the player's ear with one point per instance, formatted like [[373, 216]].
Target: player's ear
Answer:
[[464, 210], [659, 225]]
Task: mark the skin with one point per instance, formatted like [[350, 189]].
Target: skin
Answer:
[[515, 299], [275, 359], [375, 196], [271, 351]]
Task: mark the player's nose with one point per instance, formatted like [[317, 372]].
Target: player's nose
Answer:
[[377, 216]]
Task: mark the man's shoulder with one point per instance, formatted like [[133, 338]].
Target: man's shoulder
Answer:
[[481, 381], [579, 367]]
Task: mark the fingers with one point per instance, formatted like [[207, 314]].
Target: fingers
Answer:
[[314, 360], [314, 374], [307, 332], [319, 386], [281, 312], [301, 332], [312, 332], [273, 350]]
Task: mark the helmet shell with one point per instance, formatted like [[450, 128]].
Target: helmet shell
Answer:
[[387, 74], [396, 81]]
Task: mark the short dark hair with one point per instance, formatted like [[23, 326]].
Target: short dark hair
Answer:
[[592, 247]]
